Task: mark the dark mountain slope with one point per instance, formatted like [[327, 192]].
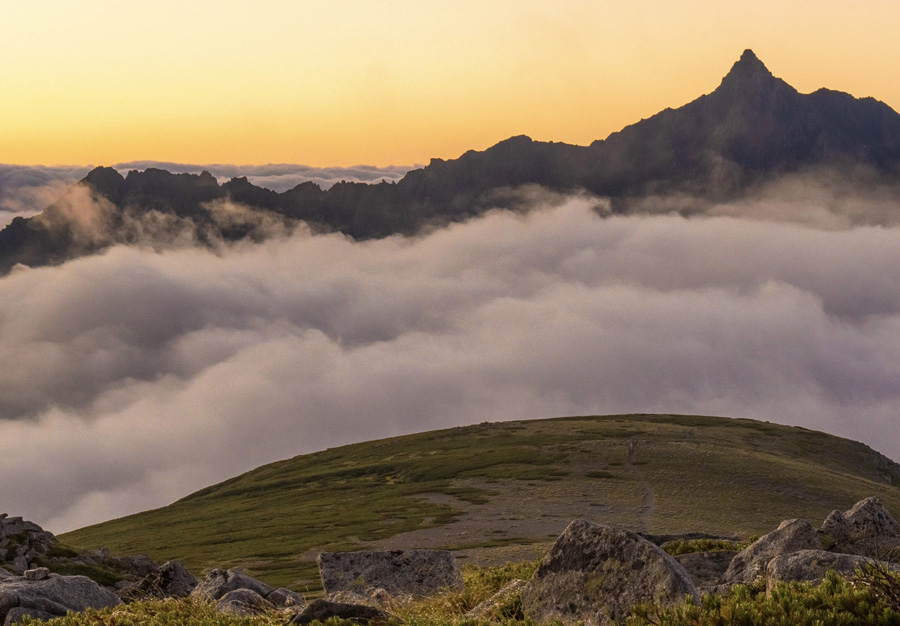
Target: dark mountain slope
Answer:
[[753, 127]]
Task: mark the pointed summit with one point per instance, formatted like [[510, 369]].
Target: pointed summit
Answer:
[[748, 70], [750, 82]]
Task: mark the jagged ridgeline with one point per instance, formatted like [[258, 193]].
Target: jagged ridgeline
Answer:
[[493, 493], [752, 128]]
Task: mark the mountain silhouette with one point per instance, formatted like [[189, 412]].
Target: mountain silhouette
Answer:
[[753, 127]]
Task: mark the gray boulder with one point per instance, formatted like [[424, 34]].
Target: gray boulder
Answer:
[[39, 573], [706, 568], [321, 610], [811, 565], [502, 604], [219, 582], [398, 572], [866, 529], [55, 595], [596, 574], [17, 614], [243, 603], [285, 598], [791, 536], [6, 574], [170, 580]]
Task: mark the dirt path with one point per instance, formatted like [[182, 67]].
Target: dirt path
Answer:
[[645, 514]]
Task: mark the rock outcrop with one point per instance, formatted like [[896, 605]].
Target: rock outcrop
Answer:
[[398, 572], [811, 566], [791, 536], [706, 568], [53, 596], [243, 603], [218, 582], [596, 574], [502, 604], [322, 609], [21, 542], [170, 580], [867, 529]]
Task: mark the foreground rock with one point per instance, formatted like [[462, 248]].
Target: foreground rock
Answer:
[[397, 572], [811, 565], [706, 568], [321, 610], [170, 580], [50, 597], [219, 582], [866, 529], [500, 605], [243, 603], [791, 536], [596, 574], [21, 542]]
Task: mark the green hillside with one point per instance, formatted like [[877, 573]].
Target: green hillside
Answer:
[[498, 492]]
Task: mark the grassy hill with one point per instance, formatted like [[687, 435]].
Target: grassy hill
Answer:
[[504, 491]]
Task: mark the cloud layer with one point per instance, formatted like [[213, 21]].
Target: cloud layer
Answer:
[[136, 377]]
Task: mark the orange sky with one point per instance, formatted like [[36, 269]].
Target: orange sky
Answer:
[[331, 82]]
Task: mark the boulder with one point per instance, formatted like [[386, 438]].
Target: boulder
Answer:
[[219, 582], [39, 573], [503, 604], [17, 614], [398, 572], [321, 610], [55, 595], [243, 603], [811, 565], [170, 580], [866, 529], [285, 598], [596, 574], [791, 536], [6, 574], [706, 568]]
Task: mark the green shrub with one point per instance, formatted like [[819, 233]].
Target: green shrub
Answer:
[[834, 602]]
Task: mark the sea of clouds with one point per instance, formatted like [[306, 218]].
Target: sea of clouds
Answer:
[[137, 376]]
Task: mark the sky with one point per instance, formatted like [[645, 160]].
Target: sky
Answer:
[[396, 82]]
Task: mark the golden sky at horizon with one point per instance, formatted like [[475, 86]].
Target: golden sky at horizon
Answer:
[[394, 82]]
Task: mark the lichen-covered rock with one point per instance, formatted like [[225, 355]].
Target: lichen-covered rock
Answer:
[[321, 610], [706, 568], [243, 603], [17, 614], [398, 572], [866, 529], [596, 574], [55, 595], [502, 604], [219, 582], [791, 536], [170, 580], [285, 598], [39, 573], [811, 565]]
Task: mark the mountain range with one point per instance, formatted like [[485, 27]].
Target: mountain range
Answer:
[[753, 128]]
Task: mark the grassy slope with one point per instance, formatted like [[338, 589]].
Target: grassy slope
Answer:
[[700, 473]]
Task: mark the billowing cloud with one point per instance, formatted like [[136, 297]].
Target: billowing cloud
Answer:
[[26, 189], [137, 376]]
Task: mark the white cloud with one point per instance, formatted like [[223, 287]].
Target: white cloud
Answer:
[[136, 376]]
